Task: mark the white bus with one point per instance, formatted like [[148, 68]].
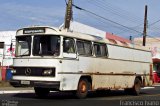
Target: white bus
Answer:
[[50, 59]]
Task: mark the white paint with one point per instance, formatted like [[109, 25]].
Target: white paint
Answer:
[[7, 36], [16, 91], [148, 88], [82, 28]]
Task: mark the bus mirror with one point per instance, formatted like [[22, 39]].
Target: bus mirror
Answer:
[[11, 46]]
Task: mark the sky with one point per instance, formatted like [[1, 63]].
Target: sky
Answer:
[[127, 14]]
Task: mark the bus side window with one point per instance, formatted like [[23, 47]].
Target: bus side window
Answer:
[[80, 48], [68, 45], [88, 48], [97, 50], [84, 48], [100, 50]]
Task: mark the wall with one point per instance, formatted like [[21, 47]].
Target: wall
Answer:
[[5, 54]]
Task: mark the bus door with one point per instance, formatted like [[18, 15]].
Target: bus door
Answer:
[[70, 61], [69, 50], [156, 73]]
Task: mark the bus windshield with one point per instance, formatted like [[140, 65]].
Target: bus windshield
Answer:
[[23, 47], [48, 45]]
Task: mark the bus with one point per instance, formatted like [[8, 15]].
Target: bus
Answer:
[[156, 70], [52, 59]]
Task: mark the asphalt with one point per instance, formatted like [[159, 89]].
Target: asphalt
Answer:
[[7, 86], [10, 90], [13, 88]]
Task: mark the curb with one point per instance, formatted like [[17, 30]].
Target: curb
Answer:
[[18, 91]]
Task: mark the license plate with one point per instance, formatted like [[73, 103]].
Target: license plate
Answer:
[[25, 82]]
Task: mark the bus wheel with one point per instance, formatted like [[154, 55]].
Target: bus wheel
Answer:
[[41, 92], [82, 90], [137, 87]]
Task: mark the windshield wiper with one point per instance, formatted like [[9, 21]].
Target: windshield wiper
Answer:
[[25, 53]]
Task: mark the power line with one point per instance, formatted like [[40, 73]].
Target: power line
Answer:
[[101, 22], [154, 23], [116, 11], [154, 28], [77, 7], [109, 8]]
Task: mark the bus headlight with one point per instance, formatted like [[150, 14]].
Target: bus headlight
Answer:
[[48, 72], [13, 71]]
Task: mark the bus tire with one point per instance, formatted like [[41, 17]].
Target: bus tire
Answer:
[[128, 91], [82, 89], [41, 92], [137, 87]]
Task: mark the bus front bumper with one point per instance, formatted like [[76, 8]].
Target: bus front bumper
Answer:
[[43, 84]]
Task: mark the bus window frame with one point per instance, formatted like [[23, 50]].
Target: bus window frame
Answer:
[[69, 54], [56, 54], [106, 50], [30, 46], [91, 47]]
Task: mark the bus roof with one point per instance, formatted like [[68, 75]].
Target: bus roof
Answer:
[[41, 30]]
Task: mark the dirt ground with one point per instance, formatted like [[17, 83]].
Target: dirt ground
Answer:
[[4, 84]]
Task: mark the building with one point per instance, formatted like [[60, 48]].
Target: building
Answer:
[[6, 55], [154, 45], [82, 28]]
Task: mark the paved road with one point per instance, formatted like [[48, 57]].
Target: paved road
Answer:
[[26, 97]]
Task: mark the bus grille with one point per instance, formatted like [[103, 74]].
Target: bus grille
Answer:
[[33, 71]]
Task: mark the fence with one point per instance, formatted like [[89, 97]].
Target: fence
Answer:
[[5, 73]]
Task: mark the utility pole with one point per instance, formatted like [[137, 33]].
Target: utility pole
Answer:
[[68, 15], [145, 27]]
